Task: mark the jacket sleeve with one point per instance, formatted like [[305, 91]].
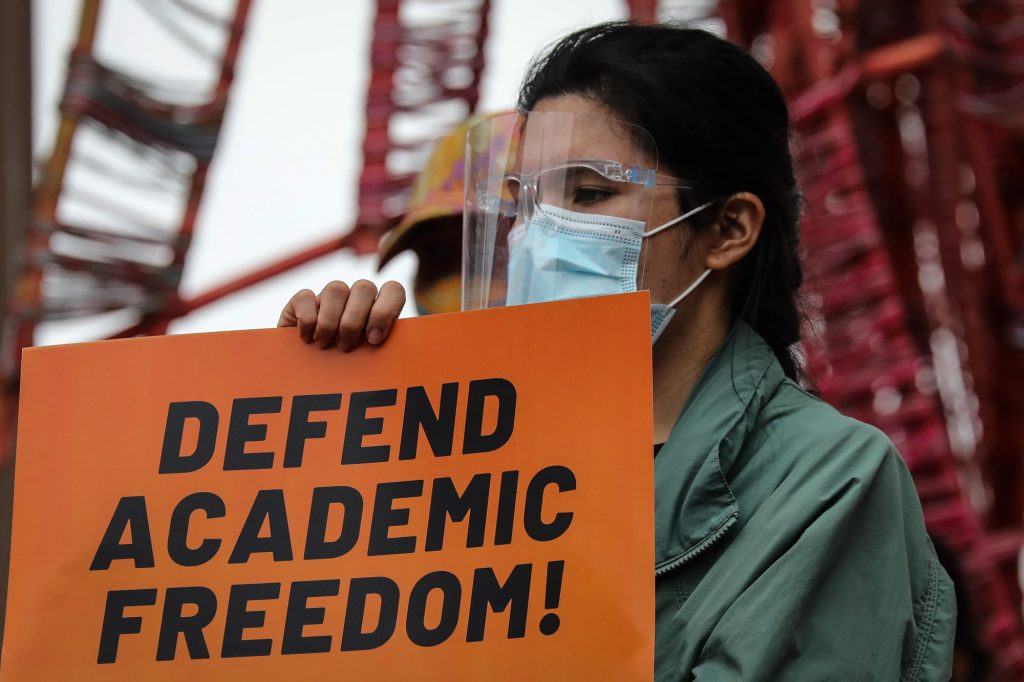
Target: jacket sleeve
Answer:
[[848, 586]]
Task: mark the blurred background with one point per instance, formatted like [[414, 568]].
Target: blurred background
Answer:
[[173, 166]]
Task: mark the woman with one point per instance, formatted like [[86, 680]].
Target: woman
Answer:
[[790, 543]]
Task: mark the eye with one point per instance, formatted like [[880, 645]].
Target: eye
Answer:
[[588, 195]]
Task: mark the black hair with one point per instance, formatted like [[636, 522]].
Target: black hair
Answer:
[[720, 121]]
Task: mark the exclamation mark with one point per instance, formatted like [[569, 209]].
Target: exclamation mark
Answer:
[[550, 622]]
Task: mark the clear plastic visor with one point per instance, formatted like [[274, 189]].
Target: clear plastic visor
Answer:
[[556, 206]]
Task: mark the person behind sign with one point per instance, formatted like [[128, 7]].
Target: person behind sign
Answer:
[[790, 543], [432, 225]]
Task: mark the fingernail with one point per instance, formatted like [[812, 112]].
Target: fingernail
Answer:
[[374, 335]]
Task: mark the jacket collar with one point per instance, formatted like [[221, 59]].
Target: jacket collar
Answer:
[[693, 502]]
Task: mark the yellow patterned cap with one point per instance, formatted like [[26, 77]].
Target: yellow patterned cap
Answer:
[[437, 191]]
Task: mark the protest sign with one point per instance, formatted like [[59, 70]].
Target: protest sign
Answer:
[[471, 500]]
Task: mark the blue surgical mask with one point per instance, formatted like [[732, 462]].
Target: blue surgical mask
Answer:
[[562, 254]]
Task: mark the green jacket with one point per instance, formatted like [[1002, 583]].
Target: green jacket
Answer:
[[790, 543]]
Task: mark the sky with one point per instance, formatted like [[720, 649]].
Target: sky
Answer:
[[286, 170]]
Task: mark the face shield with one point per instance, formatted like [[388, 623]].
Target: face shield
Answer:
[[556, 207]]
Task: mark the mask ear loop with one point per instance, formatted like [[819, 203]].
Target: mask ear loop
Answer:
[[689, 289], [675, 221]]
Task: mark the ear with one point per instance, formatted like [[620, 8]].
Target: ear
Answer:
[[738, 228]]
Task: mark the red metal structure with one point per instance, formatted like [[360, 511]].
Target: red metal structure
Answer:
[[909, 120], [902, 113], [426, 57], [120, 133]]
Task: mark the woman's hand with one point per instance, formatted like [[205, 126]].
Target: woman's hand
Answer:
[[341, 314]]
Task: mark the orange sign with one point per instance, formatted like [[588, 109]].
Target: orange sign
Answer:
[[472, 500]]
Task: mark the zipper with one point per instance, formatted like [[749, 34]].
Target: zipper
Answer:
[[699, 549]]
